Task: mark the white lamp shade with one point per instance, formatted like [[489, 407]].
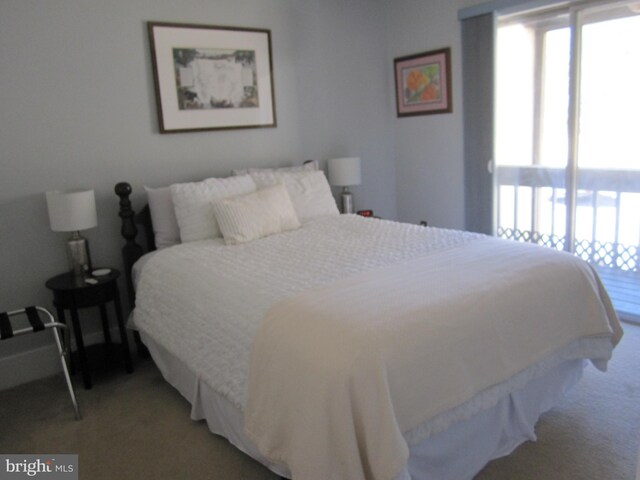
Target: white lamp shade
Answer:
[[72, 210], [344, 171]]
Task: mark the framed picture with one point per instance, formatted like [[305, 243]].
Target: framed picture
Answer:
[[423, 83], [211, 78]]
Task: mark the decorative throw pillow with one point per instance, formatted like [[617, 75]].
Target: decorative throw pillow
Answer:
[[308, 166], [255, 215], [192, 204], [309, 191], [163, 217]]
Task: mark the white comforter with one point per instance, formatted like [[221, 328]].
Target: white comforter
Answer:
[[204, 302]]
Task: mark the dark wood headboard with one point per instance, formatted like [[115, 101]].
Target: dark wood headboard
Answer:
[[132, 250]]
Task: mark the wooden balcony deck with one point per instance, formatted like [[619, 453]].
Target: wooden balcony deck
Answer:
[[624, 290]]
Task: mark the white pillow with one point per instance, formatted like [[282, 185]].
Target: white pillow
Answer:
[[192, 204], [255, 215], [309, 191], [308, 166], [163, 217]]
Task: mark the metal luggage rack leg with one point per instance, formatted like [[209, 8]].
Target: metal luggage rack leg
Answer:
[[37, 325]]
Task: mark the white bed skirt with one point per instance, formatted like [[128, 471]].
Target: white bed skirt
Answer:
[[457, 453]]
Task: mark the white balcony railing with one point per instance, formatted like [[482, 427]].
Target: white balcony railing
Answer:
[[531, 207]]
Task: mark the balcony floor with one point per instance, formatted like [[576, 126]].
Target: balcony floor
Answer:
[[624, 290]]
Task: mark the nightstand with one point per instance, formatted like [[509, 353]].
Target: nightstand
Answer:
[[72, 294]]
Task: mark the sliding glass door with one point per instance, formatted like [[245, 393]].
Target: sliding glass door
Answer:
[[567, 144], [532, 108]]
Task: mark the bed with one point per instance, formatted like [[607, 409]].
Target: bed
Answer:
[[337, 346]]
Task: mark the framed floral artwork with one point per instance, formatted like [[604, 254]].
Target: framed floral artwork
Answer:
[[423, 83], [211, 78]]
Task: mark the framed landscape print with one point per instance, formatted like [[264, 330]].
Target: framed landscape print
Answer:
[[211, 78], [423, 83]]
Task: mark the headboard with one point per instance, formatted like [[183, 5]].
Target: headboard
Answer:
[[132, 250]]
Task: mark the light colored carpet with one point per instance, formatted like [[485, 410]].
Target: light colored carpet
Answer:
[[138, 427]]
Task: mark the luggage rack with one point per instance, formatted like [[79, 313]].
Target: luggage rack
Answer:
[[37, 325]]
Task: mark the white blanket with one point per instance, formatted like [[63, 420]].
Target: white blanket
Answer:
[[203, 301], [338, 374]]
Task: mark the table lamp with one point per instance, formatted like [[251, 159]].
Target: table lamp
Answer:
[[344, 172], [72, 211]]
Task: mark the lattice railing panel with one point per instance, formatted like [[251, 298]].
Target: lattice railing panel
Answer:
[[602, 254], [609, 254], [548, 240]]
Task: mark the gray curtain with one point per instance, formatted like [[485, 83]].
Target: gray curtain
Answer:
[[478, 88]]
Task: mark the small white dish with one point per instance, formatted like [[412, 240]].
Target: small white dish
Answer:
[[91, 281], [101, 272]]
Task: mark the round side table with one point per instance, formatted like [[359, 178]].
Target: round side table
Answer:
[[71, 293]]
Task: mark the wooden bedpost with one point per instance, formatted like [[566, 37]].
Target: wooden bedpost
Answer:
[[131, 251]]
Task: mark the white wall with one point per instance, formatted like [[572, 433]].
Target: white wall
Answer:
[[341, 106], [77, 109], [429, 148]]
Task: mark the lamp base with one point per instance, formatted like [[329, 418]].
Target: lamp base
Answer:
[[78, 254], [347, 201]]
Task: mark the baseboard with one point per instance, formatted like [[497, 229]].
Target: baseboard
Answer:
[[38, 363], [629, 318]]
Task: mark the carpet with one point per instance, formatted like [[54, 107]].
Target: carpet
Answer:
[[137, 427]]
